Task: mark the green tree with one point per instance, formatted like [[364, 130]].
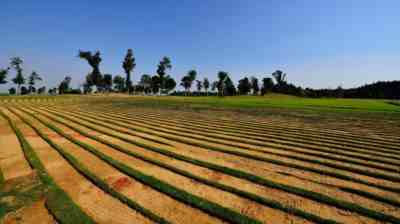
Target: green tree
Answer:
[[119, 83], [230, 89], [155, 84], [145, 83], [19, 79], [107, 81], [244, 86], [254, 85], [206, 85], [186, 83], [222, 78], [280, 77], [214, 85], [32, 80], [64, 85], [267, 86], [170, 83], [199, 85], [42, 90], [3, 75], [163, 66], [94, 61], [128, 65]]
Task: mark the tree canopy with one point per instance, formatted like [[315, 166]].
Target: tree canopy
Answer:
[[128, 65], [94, 61]]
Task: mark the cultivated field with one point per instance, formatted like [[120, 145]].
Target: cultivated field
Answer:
[[97, 159]]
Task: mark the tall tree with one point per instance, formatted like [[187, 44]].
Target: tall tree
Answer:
[[163, 66], [64, 85], [230, 89], [214, 86], [244, 86], [155, 84], [107, 81], [170, 83], [119, 83], [254, 85], [199, 85], [188, 79], [222, 78], [280, 77], [3, 75], [186, 83], [145, 82], [94, 61], [206, 84], [32, 80], [267, 86], [128, 65], [19, 79]]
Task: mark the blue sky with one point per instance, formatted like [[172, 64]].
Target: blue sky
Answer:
[[318, 44]]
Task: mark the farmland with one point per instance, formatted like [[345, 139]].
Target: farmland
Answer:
[[272, 159]]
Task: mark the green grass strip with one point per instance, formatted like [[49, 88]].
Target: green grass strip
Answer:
[[207, 206], [250, 156], [244, 140], [262, 181], [59, 204], [82, 169], [250, 196], [1, 178]]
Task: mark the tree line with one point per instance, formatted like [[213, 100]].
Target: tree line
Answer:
[[19, 80], [163, 83]]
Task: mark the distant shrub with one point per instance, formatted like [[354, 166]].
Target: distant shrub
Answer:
[[73, 91], [24, 90], [12, 91]]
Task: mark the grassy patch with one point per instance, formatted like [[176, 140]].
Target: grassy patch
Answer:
[[18, 193]]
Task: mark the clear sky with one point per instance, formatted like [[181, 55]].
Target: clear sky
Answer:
[[317, 43]]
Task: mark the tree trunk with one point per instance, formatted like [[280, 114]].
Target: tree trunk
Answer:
[[128, 81]]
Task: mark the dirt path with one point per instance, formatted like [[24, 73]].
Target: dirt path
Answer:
[[36, 213], [12, 161]]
